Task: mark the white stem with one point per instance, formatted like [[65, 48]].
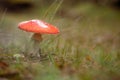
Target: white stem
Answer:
[[36, 38], [33, 47]]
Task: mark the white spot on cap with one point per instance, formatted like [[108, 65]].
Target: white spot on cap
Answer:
[[24, 22], [40, 23]]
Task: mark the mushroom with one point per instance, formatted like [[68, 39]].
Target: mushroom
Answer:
[[38, 27]]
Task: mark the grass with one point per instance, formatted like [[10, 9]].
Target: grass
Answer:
[[87, 47]]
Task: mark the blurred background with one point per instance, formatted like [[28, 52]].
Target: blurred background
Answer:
[[89, 40], [83, 22]]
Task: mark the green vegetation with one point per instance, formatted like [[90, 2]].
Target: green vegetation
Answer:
[[87, 48]]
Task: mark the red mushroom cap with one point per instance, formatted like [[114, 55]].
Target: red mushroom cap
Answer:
[[38, 26]]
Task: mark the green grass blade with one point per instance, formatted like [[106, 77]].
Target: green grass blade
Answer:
[[51, 11]]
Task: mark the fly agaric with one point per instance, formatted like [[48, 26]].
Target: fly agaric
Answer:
[[37, 27]]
